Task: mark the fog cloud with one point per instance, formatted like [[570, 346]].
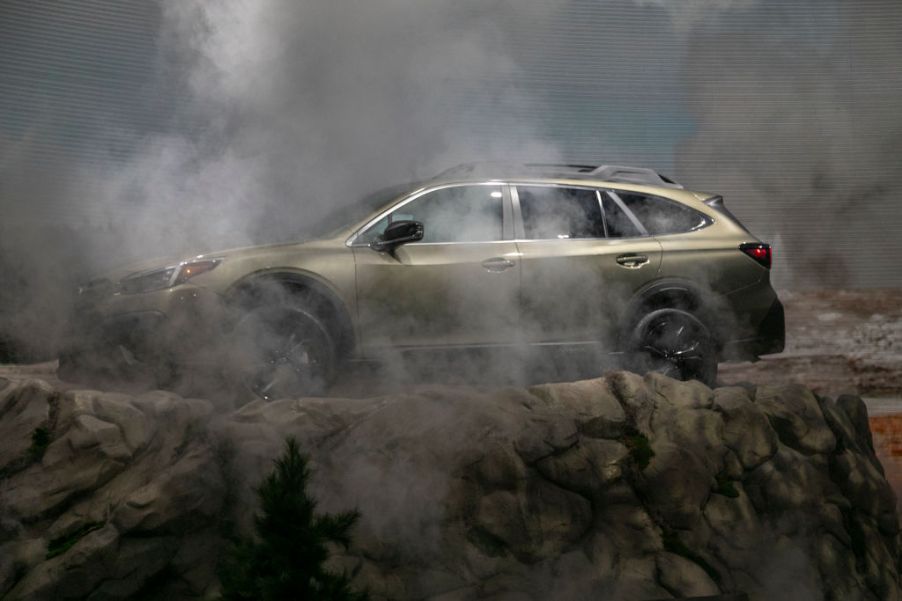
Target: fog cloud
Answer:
[[798, 126], [689, 14], [297, 107]]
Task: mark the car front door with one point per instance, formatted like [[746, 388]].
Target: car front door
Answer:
[[458, 286], [583, 257]]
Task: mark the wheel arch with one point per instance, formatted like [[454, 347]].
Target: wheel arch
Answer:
[[323, 300]]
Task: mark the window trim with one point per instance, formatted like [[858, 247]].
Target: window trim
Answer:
[[604, 214], [643, 232], [506, 213]]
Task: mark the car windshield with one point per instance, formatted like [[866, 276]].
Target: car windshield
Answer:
[[345, 215]]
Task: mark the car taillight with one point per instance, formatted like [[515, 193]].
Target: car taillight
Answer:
[[759, 251]]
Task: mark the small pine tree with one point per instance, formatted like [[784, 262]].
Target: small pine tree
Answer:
[[286, 560]]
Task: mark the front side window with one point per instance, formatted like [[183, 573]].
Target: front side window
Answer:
[[457, 214], [662, 216], [557, 212]]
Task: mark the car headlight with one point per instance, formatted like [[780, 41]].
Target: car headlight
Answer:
[[166, 277]]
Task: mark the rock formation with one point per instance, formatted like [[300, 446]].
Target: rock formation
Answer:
[[621, 487]]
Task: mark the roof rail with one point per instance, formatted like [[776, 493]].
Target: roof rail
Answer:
[[633, 175], [611, 173], [563, 168], [509, 168]]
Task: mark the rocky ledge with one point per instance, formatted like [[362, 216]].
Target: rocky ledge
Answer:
[[621, 487]]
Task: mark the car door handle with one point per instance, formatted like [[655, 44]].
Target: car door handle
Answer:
[[632, 261], [497, 264]]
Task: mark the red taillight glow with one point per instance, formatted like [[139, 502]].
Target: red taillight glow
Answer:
[[758, 251]]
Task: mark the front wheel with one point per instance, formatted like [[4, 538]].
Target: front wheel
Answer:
[[282, 352], [675, 343]]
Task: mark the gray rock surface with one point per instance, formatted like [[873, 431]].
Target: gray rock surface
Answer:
[[621, 487]]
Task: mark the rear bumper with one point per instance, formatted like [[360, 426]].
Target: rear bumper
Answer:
[[767, 338], [772, 330]]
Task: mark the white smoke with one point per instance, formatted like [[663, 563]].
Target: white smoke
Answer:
[[299, 107], [798, 126], [689, 14]]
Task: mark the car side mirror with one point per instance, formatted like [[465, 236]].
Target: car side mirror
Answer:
[[396, 234]]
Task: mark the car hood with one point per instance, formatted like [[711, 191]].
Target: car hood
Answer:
[[119, 272]]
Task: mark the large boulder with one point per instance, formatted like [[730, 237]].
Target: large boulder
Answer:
[[621, 487]]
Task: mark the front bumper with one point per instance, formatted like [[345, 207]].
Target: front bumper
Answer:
[[162, 326]]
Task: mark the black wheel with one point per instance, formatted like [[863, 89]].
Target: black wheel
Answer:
[[675, 343], [281, 352]]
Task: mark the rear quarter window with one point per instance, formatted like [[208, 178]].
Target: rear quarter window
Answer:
[[662, 216]]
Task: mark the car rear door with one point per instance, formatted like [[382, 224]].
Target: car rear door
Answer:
[[459, 286], [583, 257], [706, 256]]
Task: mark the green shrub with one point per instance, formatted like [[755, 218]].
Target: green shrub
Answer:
[[285, 559]]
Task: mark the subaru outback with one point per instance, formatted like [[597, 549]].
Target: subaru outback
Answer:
[[482, 256]]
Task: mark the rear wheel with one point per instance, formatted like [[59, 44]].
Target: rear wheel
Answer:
[[675, 343], [282, 351]]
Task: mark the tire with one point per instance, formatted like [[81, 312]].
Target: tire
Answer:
[[282, 351], [675, 343]]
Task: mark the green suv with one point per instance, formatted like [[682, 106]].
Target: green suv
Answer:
[[487, 255]]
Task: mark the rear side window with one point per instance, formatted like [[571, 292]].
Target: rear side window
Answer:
[[555, 212], [662, 216], [619, 223]]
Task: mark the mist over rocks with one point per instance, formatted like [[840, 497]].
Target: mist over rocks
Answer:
[[620, 487]]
